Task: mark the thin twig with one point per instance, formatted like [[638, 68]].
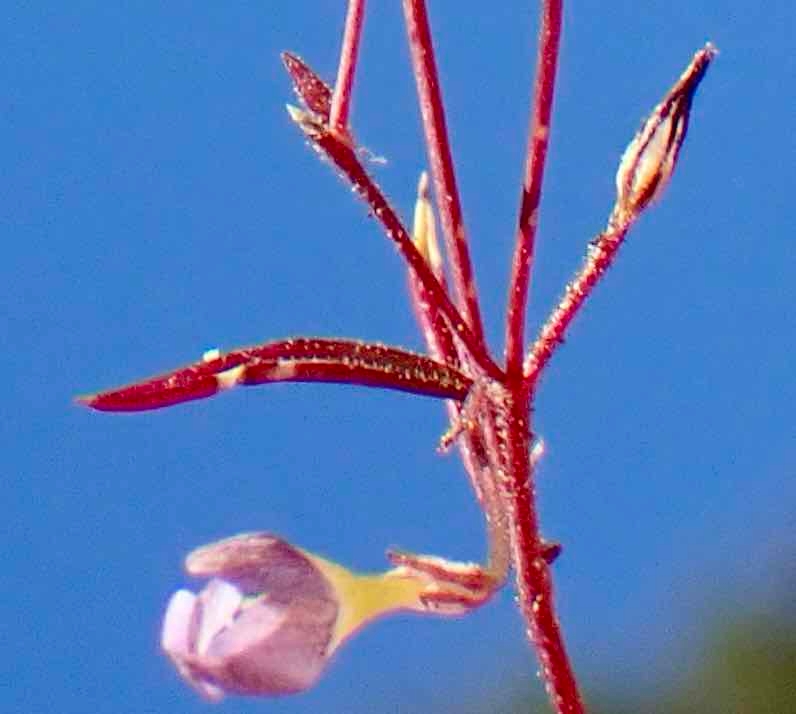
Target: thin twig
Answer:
[[471, 435], [441, 163], [646, 168], [601, 254], [538, 138], [343, 87]]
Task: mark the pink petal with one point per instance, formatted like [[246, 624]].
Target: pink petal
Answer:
[[219, 601], [273, 650], [179, 624], [178, 640]]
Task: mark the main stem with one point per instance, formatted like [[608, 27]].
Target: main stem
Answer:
[[532, 571], [533, 576]]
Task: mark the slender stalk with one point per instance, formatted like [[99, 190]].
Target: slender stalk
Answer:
[[432, 111], [534, 581], [345, 158], [538, 139], [343, 87], [506, 422], [646, 168], [442, 347], [483, 477], [599, 258]]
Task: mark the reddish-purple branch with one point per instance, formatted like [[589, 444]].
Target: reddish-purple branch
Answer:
[[535, 586], [599, 258], [645, 170], [343, 86], [441, 163], [531, 556], [538, 139], [346, 160]]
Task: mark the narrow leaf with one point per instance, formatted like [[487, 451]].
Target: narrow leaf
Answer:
[[313, 92], [296, 360]]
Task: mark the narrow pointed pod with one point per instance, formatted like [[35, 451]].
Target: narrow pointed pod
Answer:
[[432, 324]]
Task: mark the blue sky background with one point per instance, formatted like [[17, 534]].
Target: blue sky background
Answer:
[[157, 202]]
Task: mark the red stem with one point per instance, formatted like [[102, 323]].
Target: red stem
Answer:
[[345, 159], [509, 420], [644, 171], [475, 458], [535, 586], [341, 98], [534, 580], [441, 163], [530, 555], [601, 254], [538, 138]]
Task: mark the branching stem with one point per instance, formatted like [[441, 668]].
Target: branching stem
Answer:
[[489, 407], [343, 86], [441, 163]]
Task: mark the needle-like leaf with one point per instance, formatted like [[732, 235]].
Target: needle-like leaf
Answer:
[[298, 360], [313, 92]]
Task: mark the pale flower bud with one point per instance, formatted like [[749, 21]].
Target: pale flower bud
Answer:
[[648, 162], [424, 233]]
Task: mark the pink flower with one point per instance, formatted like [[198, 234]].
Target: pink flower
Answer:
[[264, 626], [272, 615]]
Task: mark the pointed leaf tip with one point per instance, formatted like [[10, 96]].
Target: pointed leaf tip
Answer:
[[314, 93]]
